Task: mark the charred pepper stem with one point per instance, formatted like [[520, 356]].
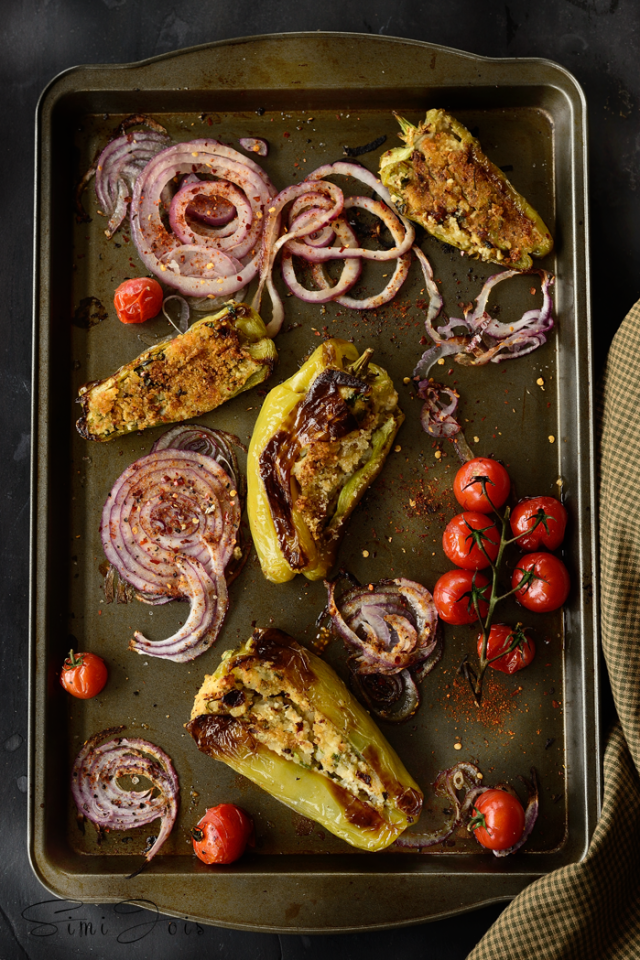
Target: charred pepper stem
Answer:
[[320, 440]]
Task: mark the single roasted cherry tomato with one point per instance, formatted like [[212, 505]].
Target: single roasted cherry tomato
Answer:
[[498, 820], [138, 300], [539, 522], [546, 582], [481, 484], [515, 645], [222, 835], [83, 674], [454, 592], [471, 541]]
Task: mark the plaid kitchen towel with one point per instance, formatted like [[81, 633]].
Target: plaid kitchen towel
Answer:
[[591, 910]]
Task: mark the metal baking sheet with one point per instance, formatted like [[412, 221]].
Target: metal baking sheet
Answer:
[[310, 95]]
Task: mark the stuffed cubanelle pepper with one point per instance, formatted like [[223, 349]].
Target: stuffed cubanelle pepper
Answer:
[[320, 440], [278, 714], [217, 358]]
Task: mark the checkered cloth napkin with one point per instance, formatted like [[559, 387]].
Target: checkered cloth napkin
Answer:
[[591, 910]]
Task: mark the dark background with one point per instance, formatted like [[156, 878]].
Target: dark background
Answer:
[[597, 40]]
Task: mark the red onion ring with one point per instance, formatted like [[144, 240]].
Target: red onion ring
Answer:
[[436, 301], [310, 236], [485, 339], [235, 239], [170, 527], [162, 251], [212, 443], [461, 777], [117, 169], [390, 628], [402, 266], [99, 797], [350, 271], [307, 222]]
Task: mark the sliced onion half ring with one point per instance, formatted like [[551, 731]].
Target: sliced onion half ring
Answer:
[[117, 169], [170, 527], [101, 799], [213, 443], [389, 628]]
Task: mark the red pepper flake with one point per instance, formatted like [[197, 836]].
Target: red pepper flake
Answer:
[[556, 704], [286, 134]]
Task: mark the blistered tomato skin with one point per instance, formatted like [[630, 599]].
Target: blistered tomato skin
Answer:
[[453, 597], [501, 638], [471, 541], [498, 820], [138, 300], [539, 522], [83, 675], [482, 485], [223, 834], [546, 582]]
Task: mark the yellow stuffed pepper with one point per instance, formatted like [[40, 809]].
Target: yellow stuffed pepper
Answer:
[[279, 715], [217, 358], [320, 440]]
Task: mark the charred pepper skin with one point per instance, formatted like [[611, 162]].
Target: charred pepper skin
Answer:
[[275, 664], [337, 398], [217, 358]]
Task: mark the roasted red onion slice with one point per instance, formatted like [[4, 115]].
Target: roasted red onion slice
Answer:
[[392, 698], [213, 443], [401, 269], [117, 169], [530, 813], [463, 777], [182, 324], [209, 602], [170, 527], [466, 779], [308, 222], [389, 628], [435, 297], [350, 271], [100, 798], [202, 270], [487, 340], [314, 233], [255, 145], [437, 416]]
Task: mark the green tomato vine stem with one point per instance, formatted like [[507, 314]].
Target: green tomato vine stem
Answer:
[[474, 677]]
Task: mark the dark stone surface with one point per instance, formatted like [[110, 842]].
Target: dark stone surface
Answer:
[[597, 40]]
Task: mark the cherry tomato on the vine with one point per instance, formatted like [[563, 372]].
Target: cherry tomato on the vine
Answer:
[[222, 834], [471, 541], [482, 485], [83, 675], [539, 522], [546, 582], [138, 300], [453, 596], [498, 820], [515, 645]]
